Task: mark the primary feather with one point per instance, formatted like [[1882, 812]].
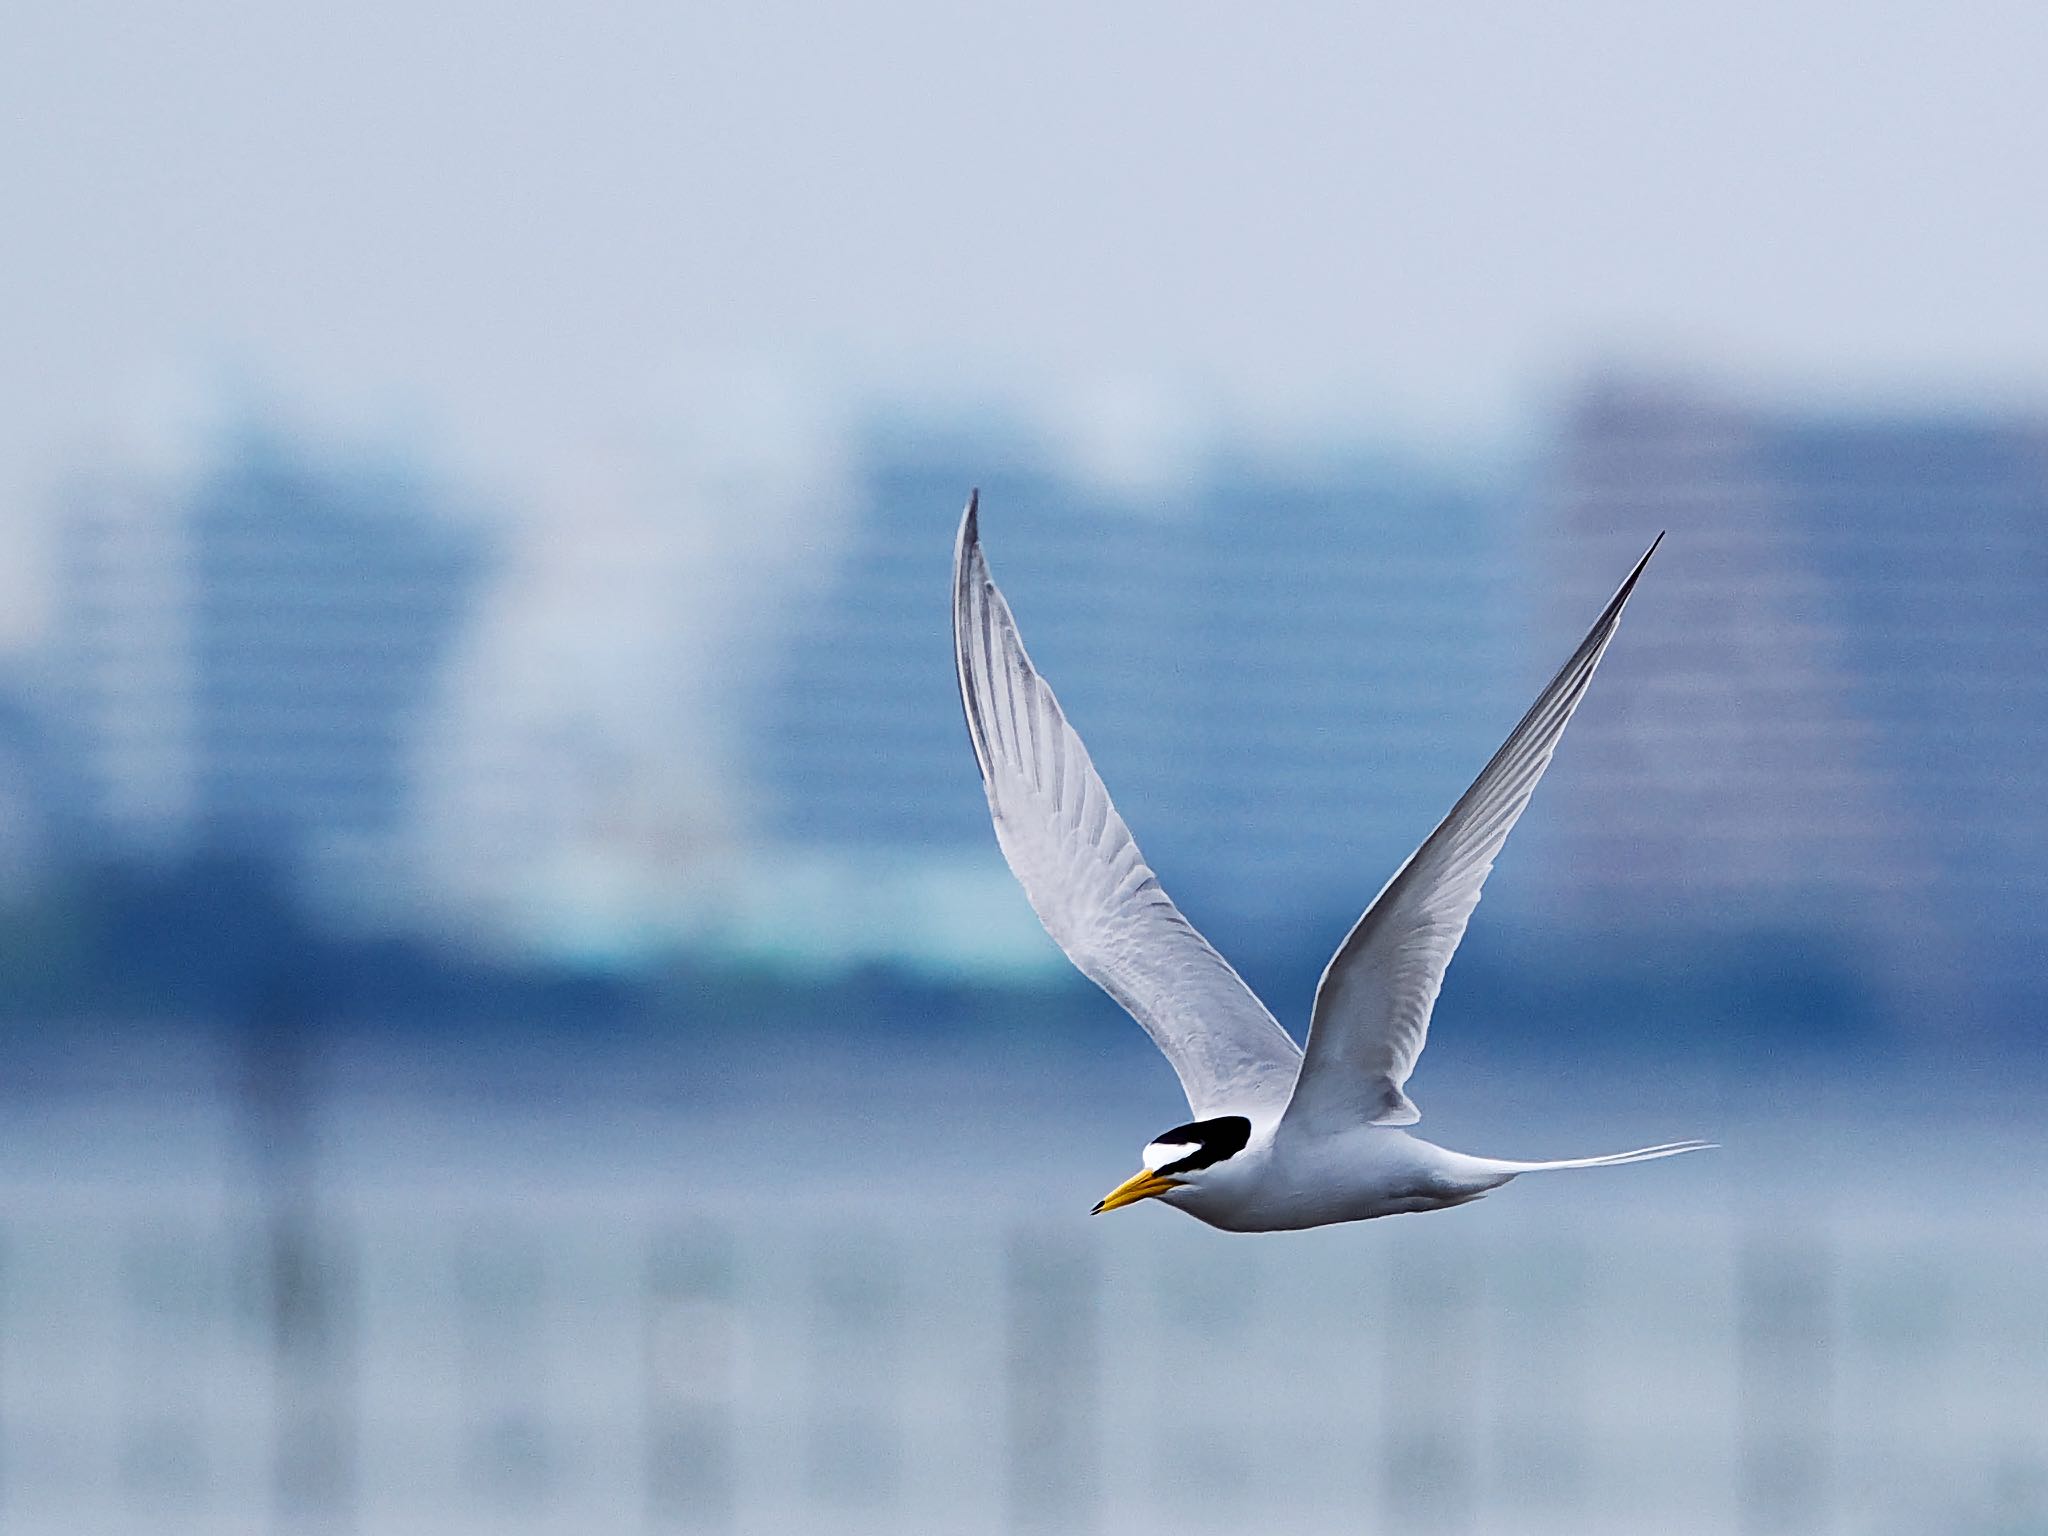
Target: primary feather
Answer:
[[1084, 875], [1372, 1007]]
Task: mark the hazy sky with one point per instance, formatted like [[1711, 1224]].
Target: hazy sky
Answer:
[[517, 233]]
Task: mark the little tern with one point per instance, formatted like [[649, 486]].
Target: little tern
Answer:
[[1281, 1138]]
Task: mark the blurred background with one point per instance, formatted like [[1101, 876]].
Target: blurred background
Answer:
[[512, 1018]]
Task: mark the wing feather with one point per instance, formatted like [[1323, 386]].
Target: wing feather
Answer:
[[1084, 875], [1372, 1007]]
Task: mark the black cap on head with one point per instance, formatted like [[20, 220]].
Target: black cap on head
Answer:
[[1207, 1142]]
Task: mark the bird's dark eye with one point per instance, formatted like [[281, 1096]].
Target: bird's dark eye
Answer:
[[1210, 1142]]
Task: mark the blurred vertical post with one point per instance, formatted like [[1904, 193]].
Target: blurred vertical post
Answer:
[[6, 1317], [164, 1455], [1053, 1356], [1540, 1354], [855, 1453], [1900, 1340], [500, 1290], [691, 1348], [305, 1272], [1431, 1386], [1786, 1381]]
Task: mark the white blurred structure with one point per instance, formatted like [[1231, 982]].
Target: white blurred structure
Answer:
[[584, 785], [125, 663]]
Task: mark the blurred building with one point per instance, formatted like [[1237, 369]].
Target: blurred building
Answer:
[[1284, 672], [241, 661], [1832, 718], [32, 793]]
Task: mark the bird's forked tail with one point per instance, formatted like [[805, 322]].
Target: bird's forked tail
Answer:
[[1611, 1160]]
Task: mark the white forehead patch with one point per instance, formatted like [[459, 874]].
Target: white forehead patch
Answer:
[[1160, 1153]]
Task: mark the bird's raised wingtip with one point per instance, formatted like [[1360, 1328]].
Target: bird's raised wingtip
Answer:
[[1628, 586], [967, 547]]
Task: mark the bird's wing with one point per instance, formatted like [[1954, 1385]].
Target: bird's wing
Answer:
[[1084, 875], [1372, 1006]]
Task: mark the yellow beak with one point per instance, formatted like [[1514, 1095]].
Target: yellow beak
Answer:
[[1139, 1186]]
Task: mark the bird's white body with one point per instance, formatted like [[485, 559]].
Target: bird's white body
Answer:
[[1357, 1173], [1283, 1137], [1282, 1184]]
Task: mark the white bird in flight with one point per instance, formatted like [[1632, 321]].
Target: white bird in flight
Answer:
[[1281, 1138]]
